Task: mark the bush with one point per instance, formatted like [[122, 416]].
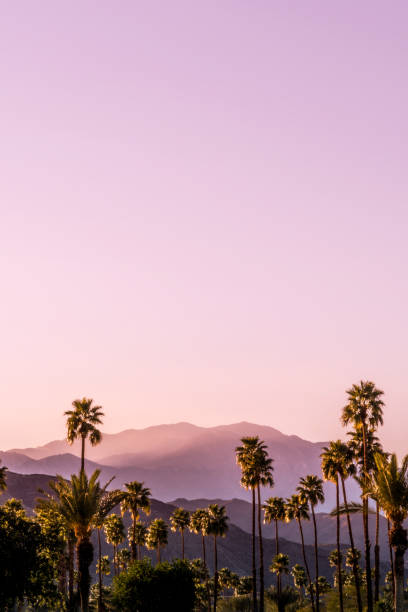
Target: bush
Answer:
[[143, 588], [242, 603]]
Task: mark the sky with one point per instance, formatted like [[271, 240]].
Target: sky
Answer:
[[203, 213]]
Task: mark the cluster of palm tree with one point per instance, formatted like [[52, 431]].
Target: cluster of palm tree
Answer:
[[381, 480], [85, 505]]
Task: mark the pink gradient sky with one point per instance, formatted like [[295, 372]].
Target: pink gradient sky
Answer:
[[203, 212]]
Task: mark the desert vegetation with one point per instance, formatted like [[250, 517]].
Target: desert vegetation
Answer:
[[53, 559]]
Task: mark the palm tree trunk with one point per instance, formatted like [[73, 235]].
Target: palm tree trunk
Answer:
[[377, 553], [82, 453], [138, 552], [355, 567], [316, 559], [261, 555], [255, 601], [100, 600], [85, 558], [391, 557], [339, 576], [182, 543], [306, 564], [398, 537], [206, 581], [367, 557], [277, 553], [133, 542], [215, 574], [366, 534], [71, 563]]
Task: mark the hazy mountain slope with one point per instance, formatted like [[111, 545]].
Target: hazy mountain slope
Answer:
[[182, 460]]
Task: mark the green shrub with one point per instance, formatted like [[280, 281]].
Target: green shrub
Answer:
[[144, 588]]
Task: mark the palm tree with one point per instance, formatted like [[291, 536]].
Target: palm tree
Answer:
[[389, 484], [244, 454], [108, 502], [311, 490], [124, 557], [337, 463], [180, 520], [136, 498], [157, 535], [115, 535], [298, 509], [218, 527], [257, 469], [200, 523], [82, 422], [299, 578], [364, 410], [79, 501], [373, 446], [274, 510], [280, 566], [137, 535], [332, 465], [3, 483]]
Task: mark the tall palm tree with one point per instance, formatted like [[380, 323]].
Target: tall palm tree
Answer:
[[180, 520], [257, 470], [218, 527], [136, 497], [364, 410], [244, 454], [157, 536], [82, 422], [3, 483], [373, 446], [338, 459], [298, 509], [389, 484], [274, 510], [115, 535], [311, 490], [332, 464], [200, 524], [262, 472]]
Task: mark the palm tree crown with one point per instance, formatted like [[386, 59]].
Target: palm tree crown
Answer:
[[136, 497], [311, 489], [3, 484], [82, 422], [364, 407]]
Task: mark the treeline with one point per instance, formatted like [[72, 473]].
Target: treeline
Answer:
[[45, 560]]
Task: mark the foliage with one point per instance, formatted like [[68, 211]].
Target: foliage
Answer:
[[168, 586], [27, 568]]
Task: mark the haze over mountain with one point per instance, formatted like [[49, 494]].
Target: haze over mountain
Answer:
[[181, 460]]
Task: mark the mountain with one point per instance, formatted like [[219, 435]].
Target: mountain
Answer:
[[181, 460]]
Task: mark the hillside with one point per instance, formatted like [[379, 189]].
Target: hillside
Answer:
[[180, 460], [233, 550]]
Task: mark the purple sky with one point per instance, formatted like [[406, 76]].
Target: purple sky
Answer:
[[204, 212]]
